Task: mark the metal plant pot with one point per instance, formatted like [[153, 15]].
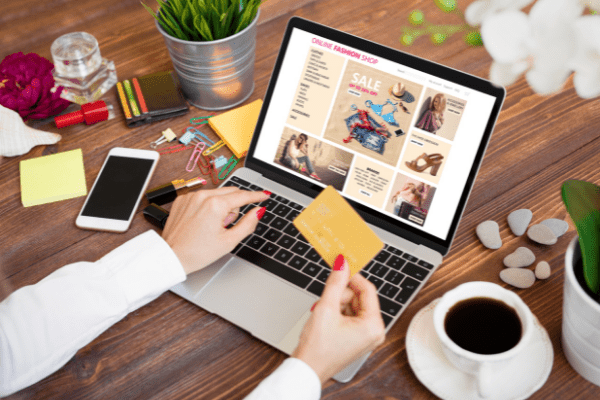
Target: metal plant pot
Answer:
[[215, 75], [581, 321]]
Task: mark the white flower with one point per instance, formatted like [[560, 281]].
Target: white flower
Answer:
[[541, 42], [479, 10], [586, 62]]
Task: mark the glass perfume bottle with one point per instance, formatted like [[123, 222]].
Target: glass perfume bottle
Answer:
[[80, 69]]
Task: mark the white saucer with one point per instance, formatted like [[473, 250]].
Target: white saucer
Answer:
[[432, 368]]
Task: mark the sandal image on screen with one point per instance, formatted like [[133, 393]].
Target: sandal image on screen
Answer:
[[434, 161]]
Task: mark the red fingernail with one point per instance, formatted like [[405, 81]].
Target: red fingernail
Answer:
[[261, 212], [313, 306], [338, 265], [267, 193]]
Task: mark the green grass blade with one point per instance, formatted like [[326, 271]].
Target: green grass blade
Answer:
[[163, 25], [206, 28], [187, 22], [173, 24], [215, 18]]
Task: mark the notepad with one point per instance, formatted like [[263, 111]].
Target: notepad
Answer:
[[236, 127], [333, 227], [52, 178]]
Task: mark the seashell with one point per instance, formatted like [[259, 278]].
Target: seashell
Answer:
[[16, 138]]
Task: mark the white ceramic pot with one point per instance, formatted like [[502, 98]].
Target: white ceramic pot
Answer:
[[581, 322]]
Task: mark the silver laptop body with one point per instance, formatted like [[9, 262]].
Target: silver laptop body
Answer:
[[242, 287]]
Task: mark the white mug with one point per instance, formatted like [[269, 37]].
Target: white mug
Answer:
[[482, 366]]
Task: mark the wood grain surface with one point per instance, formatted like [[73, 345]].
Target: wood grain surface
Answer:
[[170, 349]]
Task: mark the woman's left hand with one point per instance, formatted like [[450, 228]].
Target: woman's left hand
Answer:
[[196, 229]]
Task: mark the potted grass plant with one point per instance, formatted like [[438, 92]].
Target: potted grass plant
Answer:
[[212, 46], [581, 303]]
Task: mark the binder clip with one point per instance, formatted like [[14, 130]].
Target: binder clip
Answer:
[[167, 136], [198, 133], [219, 162], [187, 138]]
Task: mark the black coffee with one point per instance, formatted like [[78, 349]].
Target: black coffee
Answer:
[[483, 325]]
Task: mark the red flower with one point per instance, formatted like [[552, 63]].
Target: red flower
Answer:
[[26, 86]]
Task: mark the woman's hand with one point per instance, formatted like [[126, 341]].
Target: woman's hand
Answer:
[[346, 323], [196, 229]]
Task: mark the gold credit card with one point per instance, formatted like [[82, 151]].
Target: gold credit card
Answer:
[[332, 227]]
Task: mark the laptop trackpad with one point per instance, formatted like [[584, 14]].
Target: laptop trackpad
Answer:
[[254, 300]]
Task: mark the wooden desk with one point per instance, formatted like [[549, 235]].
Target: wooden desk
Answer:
[[171, 349]]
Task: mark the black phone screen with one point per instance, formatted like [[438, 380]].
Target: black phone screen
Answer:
[[118, 188]]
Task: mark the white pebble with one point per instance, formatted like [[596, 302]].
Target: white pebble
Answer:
[[558, 226], [518, 277], [489, 234], [541, 234], [522, 257], [519, 220], [542, 270]]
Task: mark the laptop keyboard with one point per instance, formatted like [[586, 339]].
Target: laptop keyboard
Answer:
[[278, 247]]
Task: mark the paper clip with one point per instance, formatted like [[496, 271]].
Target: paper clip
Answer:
[[206, 168], [167, 136], [227, 168], [214, 148], [193, 121], [174, 149], [197, 133], [195, 156]]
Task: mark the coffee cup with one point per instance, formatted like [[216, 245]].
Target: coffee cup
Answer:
[[483, 328]]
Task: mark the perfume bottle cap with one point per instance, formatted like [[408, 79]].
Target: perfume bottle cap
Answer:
[[90, 113]]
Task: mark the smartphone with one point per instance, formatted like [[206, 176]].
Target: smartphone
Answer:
[[118, 189]]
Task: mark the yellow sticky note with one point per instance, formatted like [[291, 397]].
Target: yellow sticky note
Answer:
[[236, 127], [332, 227], [52, 178]]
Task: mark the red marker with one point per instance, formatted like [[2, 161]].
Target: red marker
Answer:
[[90, 113]]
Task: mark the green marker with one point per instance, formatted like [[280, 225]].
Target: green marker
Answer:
[[131, 97]]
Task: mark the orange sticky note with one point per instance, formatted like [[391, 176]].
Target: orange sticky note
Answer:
[[333, 227], [236, 127]]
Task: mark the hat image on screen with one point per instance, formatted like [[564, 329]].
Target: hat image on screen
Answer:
[[399, 92]]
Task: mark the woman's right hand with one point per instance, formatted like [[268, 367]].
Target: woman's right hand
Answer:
[[196, 228], [345, 324]]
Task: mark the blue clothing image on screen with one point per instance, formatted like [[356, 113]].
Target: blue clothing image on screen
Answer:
[[378, 109], [367, 138]]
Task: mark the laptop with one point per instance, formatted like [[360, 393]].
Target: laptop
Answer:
[[400, 137]]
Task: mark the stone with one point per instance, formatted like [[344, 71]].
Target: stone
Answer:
[[519, 220], [522, 257], [518, 277], [489, 234], [542, 270], [558, 226], [541, 234]]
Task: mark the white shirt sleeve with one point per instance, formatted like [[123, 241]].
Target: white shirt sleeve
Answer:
[[42, 326], [292, 380]]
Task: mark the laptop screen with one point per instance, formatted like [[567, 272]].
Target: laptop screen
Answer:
[[400, 140]]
